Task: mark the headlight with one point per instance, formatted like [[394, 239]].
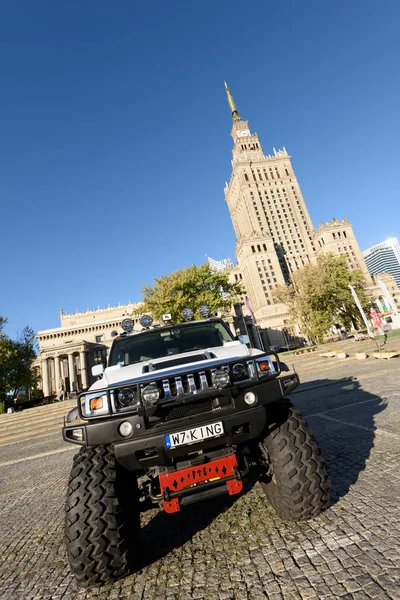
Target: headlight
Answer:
[[239, 371], [126, 397], [150, 394], [220, 378]]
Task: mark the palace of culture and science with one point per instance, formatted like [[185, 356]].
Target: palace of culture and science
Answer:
[[274, 232], [274, 238]]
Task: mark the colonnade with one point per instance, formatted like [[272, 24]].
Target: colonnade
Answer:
[[59, 378]]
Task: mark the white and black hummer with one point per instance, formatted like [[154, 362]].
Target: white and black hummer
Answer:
[[182, 412]]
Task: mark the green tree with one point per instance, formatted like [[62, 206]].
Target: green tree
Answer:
[[189, 288], [319, 296], [16, 360]]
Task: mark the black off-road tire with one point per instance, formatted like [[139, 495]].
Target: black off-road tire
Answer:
[[102, 520], [296, 483]]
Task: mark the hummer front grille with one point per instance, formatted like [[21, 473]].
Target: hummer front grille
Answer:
[[181, 387], [186, 410]]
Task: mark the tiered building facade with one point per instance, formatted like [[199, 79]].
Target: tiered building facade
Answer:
[[274, 231]]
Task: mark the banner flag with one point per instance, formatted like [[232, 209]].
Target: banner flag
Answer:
[[248, 304], [360, 308], [389, 298], [375, 319]]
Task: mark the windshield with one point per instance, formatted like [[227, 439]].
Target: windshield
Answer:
[[157, 343]]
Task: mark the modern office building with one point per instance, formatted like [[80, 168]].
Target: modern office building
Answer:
[[224, 264], [384, 258]]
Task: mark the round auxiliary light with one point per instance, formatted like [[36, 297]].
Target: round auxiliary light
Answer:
[[220, 378], [127, 325], [150, 394], [250, 398], [125, 429], [126, 397], [187, 314], [204, 311], [239, 371], [146, 321]]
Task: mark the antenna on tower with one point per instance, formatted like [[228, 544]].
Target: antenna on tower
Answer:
[[231, 102]]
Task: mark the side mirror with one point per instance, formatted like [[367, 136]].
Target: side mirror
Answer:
[[97, 370], [244, 339]]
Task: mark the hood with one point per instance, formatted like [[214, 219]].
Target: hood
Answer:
[[140, 371]]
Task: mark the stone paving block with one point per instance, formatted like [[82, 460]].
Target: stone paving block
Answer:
[[239, 549]]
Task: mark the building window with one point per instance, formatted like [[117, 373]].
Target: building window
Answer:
[[114, 334], [99, 339]]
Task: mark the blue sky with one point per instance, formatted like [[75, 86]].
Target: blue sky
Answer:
[[115, 145]]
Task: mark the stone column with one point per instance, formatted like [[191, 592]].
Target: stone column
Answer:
[[57, 374], [45, 378], [82, 359], [71, 373]]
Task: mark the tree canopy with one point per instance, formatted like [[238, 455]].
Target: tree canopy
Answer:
[[16, 359], [189, 287], [319, 296]]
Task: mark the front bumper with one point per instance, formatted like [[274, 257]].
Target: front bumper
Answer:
[[146, 446], [150, 451]]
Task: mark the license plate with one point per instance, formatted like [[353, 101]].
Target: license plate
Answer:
[[192, 436]]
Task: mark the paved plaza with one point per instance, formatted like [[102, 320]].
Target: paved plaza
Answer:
[[230, 548]]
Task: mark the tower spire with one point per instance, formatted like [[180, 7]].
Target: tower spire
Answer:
[[235, 114]]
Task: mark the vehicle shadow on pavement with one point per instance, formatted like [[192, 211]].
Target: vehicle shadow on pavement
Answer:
[[163, 533], [342, 416]]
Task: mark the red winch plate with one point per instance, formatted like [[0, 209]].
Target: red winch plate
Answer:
[[211, 471]]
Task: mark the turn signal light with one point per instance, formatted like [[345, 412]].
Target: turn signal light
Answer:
[[264, 365], [96, 403]]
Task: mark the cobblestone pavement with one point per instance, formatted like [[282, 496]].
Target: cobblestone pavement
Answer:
[[236, 548]]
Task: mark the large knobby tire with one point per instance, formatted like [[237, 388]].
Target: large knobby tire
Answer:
[[102, 521], [296, 483]]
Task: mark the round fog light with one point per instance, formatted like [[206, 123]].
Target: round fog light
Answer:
[[150, 394], [250, 398], [220, 378], [125, 429]]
